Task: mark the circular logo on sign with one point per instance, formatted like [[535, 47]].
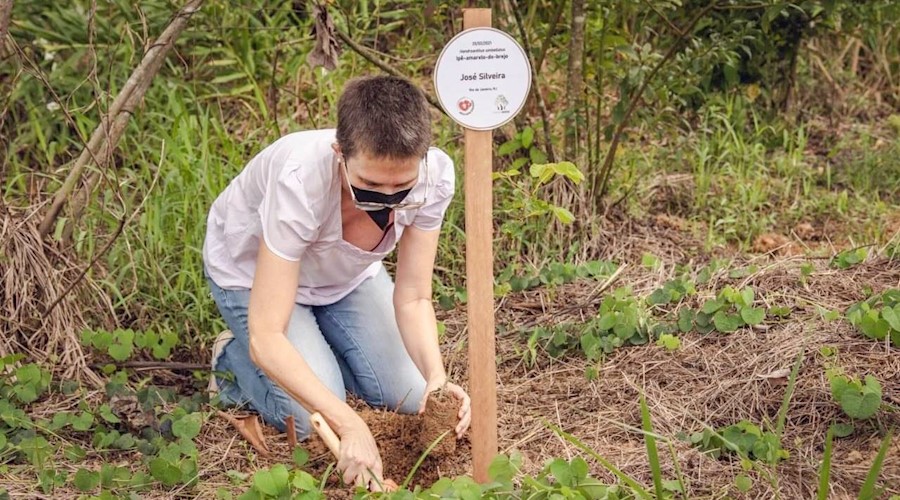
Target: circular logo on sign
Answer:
[[465, 105], [501, 102]]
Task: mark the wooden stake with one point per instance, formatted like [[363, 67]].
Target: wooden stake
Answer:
[[480, 284], [291, 430]]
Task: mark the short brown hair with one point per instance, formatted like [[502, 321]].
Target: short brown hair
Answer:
[[384, 116]]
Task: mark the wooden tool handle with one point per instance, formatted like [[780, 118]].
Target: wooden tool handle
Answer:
[[332, 441]]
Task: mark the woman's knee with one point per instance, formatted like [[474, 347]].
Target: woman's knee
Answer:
[[403, 393], [411, 402]]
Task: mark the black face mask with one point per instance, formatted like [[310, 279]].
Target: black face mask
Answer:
[[381, 217]]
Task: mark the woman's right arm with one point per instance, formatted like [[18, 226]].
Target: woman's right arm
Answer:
[[271, 303]]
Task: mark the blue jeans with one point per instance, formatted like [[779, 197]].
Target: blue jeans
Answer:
[[353, 344]]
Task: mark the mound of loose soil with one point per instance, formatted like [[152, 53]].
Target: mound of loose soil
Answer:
[[402, 440], [439, 418]]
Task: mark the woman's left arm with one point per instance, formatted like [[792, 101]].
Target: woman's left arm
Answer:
[[414, 310]]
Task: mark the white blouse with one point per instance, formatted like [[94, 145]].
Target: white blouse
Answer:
[[290, 194]]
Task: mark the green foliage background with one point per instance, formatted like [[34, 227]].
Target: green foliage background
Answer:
[[735, 110]]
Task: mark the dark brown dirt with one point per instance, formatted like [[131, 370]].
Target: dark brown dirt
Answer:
[[400, 440], [440, 417]]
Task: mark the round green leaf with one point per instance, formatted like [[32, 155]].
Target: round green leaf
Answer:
[[187, 427], [892, 316], [753, 315], [527, 137], [873, 327], [607, 321], [102, 339], [727, 323], [669, 342], [120, 352], [861, 403], [303, 481], [579, 468], [25, 393], [562, 472], [165, 472], [83, 422], [536, 155], [106, 413], [685, 320], [743, 483], [86, 480], [301, 456], [842, 430], [711, 306], [265, 483]]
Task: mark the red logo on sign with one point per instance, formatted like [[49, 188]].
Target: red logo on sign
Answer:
[[465, 105]]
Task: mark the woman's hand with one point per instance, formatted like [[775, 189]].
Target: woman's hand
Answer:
[[465, 403], [360, 463]]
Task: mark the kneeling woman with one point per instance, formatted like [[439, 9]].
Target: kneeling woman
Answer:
[[293, 254]]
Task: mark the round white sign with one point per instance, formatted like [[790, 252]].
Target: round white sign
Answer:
[[482, 78]]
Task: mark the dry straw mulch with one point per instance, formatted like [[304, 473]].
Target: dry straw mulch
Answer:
[[45, 301], [712, 380]]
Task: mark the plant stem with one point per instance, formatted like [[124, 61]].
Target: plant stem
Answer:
[[387, 68], [103, 141], [792, 380], [535, 89], [636, 97], [574, 81]]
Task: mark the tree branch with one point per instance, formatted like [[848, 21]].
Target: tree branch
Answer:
[[155, 365], [109, 131], [5, 14], [606, 170], [535, 89], [387, 68]]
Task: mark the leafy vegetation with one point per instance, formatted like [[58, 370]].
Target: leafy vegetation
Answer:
[[878, 317], [858, 399], [120, 344], [744, 439], [760, 118], [849, 258], [621, 320]]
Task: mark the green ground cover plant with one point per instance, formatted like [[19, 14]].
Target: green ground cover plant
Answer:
[[859, 399], [878, 317], [730, 310], [767, 117]]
